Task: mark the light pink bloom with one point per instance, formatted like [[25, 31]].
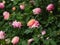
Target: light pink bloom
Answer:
[[4, 1], [2, 5], [16, 24], [50, 7], [12, 0], [33, 23], [7, 40], [2, 35], [22, 6], [30, 40], [15, 40], [6, 15], [47, 38], [43, 32], [37, 11]]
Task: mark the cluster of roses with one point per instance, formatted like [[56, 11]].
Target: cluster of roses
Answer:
[[32, 23], [16, 24]]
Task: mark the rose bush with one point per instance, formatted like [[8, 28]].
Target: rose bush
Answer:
[[29, 22]]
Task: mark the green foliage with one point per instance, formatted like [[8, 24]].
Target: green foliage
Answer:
[[48, 21]]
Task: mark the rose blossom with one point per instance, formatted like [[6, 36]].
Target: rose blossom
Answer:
[[37, 11], [30, 40], [33, 23], [22, 6], [47, 38], [16, 24], [43, 32], [6, 15], [2, 35], [15, 40], [13, 8], [2, 5], [7, 40], [4, 1], [50, 7]]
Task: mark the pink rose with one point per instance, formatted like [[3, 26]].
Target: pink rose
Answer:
[[37, 11], [16, 24], [6, 15], [43, 32], [2, 35], [50, 7], [22, 6], [33, 23], [15, 40], [2, 5]]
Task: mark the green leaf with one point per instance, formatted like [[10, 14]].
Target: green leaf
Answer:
[[52, 42], [46, 42], [28, 31], [15, 2], [24, 43]]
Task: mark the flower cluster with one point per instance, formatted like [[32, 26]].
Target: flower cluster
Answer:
[[28, 21], [32, 23]]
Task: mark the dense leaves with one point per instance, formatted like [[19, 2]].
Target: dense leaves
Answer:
[[49, 21]]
